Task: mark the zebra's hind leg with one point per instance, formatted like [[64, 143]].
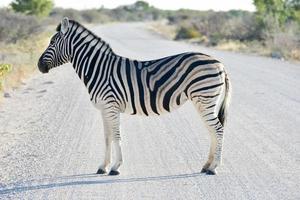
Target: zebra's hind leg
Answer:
[[215, 154], [207, 110]]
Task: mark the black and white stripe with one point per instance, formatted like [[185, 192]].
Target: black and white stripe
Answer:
[[118, 84]]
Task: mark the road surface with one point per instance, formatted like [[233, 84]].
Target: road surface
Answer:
[[51, 136]]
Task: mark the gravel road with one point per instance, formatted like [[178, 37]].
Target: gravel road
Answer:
[[51, 136]]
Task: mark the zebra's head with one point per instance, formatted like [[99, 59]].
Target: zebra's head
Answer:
[[57, 53]]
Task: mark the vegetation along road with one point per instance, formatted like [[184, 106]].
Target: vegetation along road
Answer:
[[52, 136]]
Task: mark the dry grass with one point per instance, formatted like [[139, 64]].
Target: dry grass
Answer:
[[255, 47], [284, 45], [163, 28], [22, 57], [295, 54], [231, 46]]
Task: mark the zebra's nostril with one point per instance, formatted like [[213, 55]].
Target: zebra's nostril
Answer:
[[43, 66]]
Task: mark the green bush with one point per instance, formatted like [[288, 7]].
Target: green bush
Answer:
[[215, 39], [33, 7], [187, 33], [4, 69]]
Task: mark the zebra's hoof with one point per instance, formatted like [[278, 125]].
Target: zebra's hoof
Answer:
[[211, 172], [204, 170], [113, 173], [101, 171]]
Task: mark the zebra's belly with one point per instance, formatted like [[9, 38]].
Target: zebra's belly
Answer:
[[152, 106]]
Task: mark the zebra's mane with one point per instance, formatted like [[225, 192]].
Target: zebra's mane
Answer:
[[58, 28]]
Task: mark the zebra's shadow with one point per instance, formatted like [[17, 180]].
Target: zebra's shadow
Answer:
[[85, 179]]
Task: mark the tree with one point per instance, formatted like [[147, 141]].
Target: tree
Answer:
[[141, 5], [273, 11], [294, 6], [33, 7]]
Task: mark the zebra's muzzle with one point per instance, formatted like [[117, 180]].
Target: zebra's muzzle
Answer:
[[43, 67]]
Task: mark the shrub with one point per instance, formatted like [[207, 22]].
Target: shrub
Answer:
[[187, 33], [16, 26], [33, 7], [243, 27], [211, 23], [139, 11], [286, 42], [83, 16], [58, 13], [215, 39], [4, 69], [94, 16]]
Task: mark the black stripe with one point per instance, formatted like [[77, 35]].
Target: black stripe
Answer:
[[79, 51], [129, 82], [116, 90], [162, 81], [169, 93], [141, 88], [215, 123], [93, 64], [116, 86], [82, 63], [119, 68], [158, 67], [210, 106], [105, 77], [201, 78], [208, 114], [212, 119], [79, 41], [102, 56], [168, 74], [178, 99], [99, 72], [80, 59], [77, 37], [89, 69], [206, 97], [207, 88]]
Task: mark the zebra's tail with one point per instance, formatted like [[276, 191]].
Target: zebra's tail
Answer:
[[224, 106]]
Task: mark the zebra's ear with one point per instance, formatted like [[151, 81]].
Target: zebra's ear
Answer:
[[64, 25]]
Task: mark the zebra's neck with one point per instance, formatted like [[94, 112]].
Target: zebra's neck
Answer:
[[81, 40], [84, 52], [87, 51]]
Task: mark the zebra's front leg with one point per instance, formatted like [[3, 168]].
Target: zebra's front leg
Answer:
[[107, 155], [111, 123], [119, 160], [116, 141]]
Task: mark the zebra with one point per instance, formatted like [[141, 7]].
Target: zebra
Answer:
[[118, 84]]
